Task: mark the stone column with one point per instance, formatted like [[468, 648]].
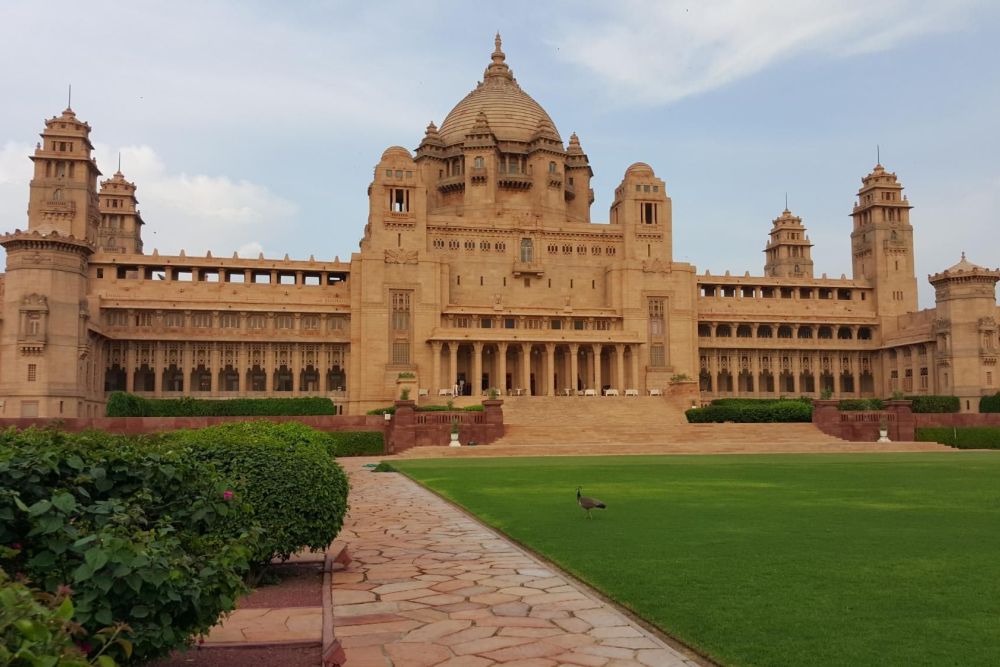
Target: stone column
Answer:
[[452, 364], [636, 380], [501, 386], [597, 366], [526, 368], [158, 369], [214, 361], [269, 369], [127, 359], [435, 383], [241, 363], [574, 366], [477, 368], [296, 369], [796, 370], [755, 370], [835, 362], [620, 367], [550, 369]]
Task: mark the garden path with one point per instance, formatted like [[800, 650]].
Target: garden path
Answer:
[[428, 585]]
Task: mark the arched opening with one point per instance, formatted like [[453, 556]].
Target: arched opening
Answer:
[[309, 379], [201, 379], [229, 379], [114, 378], [144, 379], [745, 382], [725, 382], [787, 382], [867, 383], [705, 381], [336, 379], [826, 381], [283, 379], [805, 332], [845, 333], [256, 379], [173, 378], [807, 383], [766, 382], [846, 383]]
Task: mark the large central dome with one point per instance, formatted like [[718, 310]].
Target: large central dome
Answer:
[[511, 113]]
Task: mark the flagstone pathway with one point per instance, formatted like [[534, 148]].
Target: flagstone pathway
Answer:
[[430, 586]]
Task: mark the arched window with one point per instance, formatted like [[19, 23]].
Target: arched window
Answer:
[[552, 167], [527, 250], [478, 163], [57, 195]]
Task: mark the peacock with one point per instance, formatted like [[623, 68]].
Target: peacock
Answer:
[[588, 503]]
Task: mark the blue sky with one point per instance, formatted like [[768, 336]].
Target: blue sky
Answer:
[[255, 126]]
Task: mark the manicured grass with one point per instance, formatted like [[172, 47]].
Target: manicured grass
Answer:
[[878, 559]]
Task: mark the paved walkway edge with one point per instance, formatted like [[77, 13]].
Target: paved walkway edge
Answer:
[[674, 643]]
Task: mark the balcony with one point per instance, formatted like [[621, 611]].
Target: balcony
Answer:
[[451, 183], [514, 181], [527, 269]]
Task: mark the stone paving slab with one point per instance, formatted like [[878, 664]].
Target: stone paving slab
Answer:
[[264, 625], [429, 586]]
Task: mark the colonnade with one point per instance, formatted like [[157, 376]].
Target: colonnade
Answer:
[[227, 368], [534, 369], [775, 372]]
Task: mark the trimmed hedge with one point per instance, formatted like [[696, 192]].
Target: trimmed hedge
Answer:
[[861, 404], [935, 404], [355, 443], [990, 403], [121, 404], [752, 412], [963, 437], [297, 490]]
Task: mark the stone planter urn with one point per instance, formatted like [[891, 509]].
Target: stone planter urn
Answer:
[[883, 433], [454, 441]]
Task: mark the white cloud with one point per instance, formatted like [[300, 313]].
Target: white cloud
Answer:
[[197, 212], [658, 53], [192, 212]]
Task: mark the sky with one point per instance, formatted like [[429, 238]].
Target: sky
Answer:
[[255, 126]]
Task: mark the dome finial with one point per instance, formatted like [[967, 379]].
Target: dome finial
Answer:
[[497, 42], [498, 69]]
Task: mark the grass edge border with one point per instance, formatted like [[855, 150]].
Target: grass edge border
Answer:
[[689, 652]]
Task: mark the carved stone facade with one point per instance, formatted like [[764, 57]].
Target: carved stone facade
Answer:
[[479, 268]]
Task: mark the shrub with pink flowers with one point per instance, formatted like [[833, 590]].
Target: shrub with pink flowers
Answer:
[[143, 532]]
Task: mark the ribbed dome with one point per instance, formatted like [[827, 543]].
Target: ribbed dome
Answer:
[[511, 113]]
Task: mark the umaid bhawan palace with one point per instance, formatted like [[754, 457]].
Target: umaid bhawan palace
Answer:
[[479, 268]]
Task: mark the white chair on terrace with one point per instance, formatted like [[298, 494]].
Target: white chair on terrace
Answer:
[[589, 392], [631, 392], [656, 392], [421, 392], [610, 392]]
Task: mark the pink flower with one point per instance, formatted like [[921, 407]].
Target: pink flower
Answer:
[[16, 546], [227, 495], [64, 590], [84, 646]]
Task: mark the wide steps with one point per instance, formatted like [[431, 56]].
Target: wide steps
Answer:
[[595, 426]]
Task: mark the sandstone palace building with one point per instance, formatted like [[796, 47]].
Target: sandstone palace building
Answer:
[[479, 268]]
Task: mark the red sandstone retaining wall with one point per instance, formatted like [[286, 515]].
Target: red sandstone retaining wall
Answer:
[[957, 419], [409, 428], [406, 429], [140, 425], [863, 426]]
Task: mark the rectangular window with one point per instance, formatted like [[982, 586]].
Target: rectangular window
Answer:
[[310, 322], [173, 320], [400, 311], [144, 319], [485, 323], [256, 322], [655, 307], [401, 352], [201, 320], [32, 372], [229, 321], [284, 321], [509, 323], [463, 322], [534, 323], [648, 213], [657, 358], [555, 324], [602, 325], [579, 325]]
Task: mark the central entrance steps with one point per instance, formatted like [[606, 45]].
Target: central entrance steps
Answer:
[[578, 426]]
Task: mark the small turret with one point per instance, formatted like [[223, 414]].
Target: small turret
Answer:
[[789, 249]]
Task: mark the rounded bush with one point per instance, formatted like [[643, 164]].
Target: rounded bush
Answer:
[[749, 411], [289, 476]]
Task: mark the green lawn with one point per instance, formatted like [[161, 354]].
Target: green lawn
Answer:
[[878, 559]]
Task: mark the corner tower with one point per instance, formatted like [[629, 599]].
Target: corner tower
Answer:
[[882, 242], [63, 196], [46, 349], [121, 224], [965, 330], [789, 251]]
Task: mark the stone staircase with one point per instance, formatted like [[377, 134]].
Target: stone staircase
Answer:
[[578, 426]]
